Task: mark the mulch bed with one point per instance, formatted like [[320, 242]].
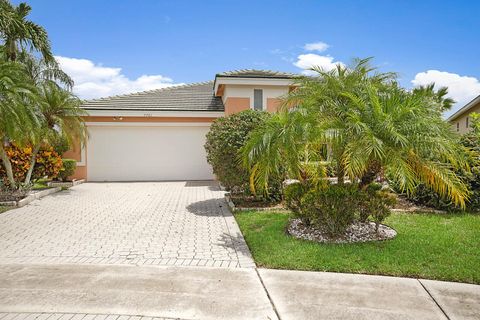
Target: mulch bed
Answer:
[[357, 232], [403, 204], [13, 195], [252, 202]]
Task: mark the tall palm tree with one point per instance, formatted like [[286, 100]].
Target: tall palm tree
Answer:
[[17, 118], [20, 34], [43, 74], [42, 71], [370, 125], [61, 115]]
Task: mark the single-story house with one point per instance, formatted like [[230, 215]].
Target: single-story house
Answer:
[[160, 134], [460, 120]]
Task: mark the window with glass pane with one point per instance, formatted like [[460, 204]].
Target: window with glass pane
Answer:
[[258, 99]]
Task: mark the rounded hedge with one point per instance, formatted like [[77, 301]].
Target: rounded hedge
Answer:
[[68, 169], [226, 137]]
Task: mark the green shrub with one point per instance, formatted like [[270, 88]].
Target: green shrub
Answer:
[[332, 209], [335, 207], [376, 204], [224, 140], [68, 169], [60, 144], [424, 196], [293, 194]]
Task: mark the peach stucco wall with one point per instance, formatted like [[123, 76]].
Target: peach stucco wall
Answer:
[[75, 153], [234, 105], [80, 173], [273, 104]]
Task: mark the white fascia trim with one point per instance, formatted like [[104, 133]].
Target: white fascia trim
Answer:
[[148, 124], [149, 114], [252, 82], [464, 109]]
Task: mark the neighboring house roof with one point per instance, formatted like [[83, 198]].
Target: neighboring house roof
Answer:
[[465, 108], [253, 73], [190, 97]]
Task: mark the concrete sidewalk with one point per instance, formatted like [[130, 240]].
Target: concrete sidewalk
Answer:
[[86, 292]]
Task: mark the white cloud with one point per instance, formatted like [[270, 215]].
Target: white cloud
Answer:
[[95, 81], [460, 88], [316, 46], [309, 60]]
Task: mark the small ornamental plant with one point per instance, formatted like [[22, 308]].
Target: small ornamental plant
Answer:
[[68, 169]]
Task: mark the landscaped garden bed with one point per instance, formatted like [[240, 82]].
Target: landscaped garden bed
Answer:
[[25, 198], [431, 246], [346, 151], [240, 202], [356, 232]]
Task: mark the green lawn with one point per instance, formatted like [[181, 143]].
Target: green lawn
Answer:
[[40, 184], [4, 208], [432, 246]]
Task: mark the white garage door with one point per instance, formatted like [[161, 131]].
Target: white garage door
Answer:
[[147, 152]]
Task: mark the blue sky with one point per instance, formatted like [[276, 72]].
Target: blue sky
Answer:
[[121, 46]]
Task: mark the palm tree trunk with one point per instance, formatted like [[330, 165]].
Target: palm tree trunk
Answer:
[[340, 174], [11, 50], [373, 170], [33, 160], [8, 166]]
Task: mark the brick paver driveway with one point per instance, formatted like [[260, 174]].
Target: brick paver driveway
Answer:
[[159, 223]]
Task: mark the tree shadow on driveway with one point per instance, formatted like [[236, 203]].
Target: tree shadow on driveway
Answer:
[[210, 208], [235, 242], [232, 239], [211, 184]]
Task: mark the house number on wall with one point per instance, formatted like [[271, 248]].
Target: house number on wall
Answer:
[[147, 114]]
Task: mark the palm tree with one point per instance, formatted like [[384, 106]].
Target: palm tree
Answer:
[[326, 95], [438, 98], [61, 115], [42, 71], [371, 126], [20, 34], [17, 118]]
